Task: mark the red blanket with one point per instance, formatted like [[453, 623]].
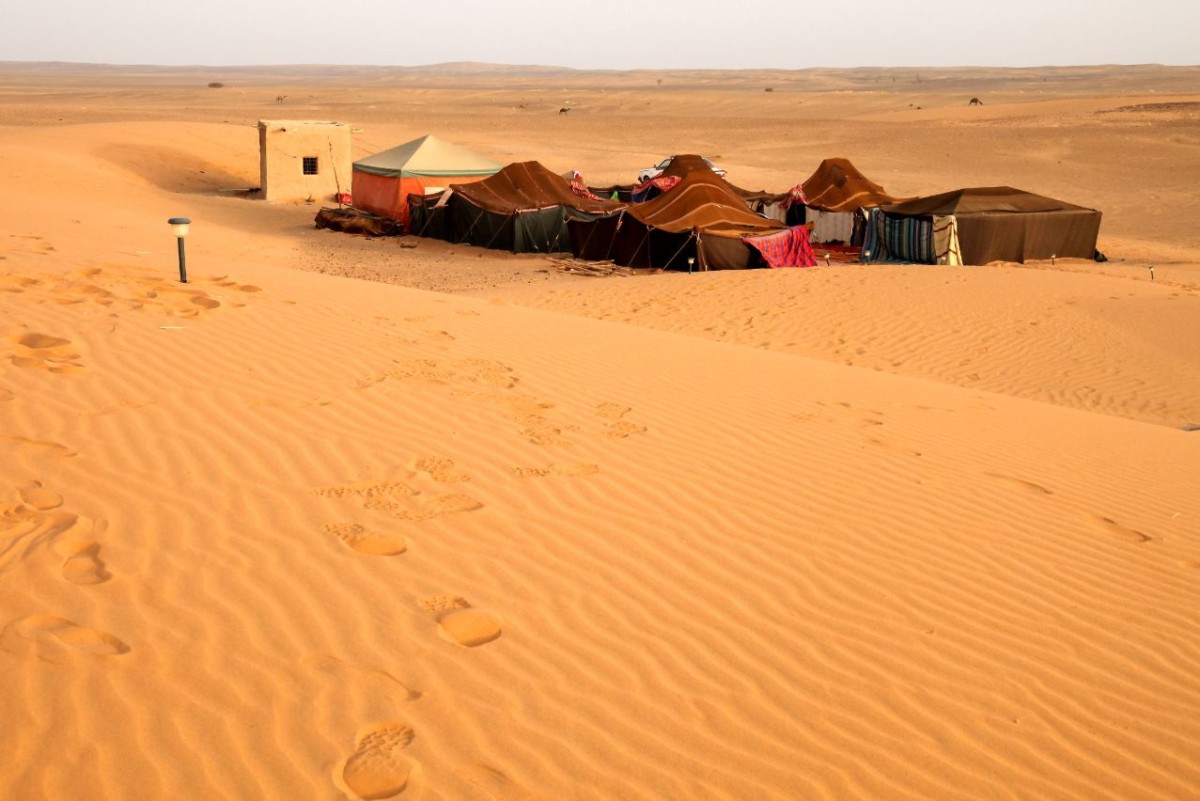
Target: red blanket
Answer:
[[578, 187], [788, 248], [795, 197]]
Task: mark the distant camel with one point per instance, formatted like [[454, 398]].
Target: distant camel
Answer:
[[279, 98], [563, 110], [975, 101]]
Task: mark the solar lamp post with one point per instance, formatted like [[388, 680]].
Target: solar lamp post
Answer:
[[179, 227]]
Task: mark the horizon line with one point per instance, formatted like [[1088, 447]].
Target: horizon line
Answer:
[[557, 67]]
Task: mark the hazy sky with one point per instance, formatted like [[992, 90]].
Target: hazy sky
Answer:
[[610, 34]]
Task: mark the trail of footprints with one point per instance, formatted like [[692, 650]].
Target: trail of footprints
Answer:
[[124, 289], [379, 766], [37, 523], [130, 288], [870, 418], [489, 382], [1108, 525], [407, 499]]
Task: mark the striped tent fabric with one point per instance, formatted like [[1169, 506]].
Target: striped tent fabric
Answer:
[[909, 239], [873, 248], [945, 241]]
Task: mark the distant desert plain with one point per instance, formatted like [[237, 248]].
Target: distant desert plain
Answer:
[[368, 518]]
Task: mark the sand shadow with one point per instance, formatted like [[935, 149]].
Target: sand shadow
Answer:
[[175, 170]]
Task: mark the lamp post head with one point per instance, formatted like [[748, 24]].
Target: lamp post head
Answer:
[[179, 226]]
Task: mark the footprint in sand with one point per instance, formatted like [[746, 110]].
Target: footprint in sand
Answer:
[[622, 429], [368, 491], [36, 341], [892, 447], [440, 470], [34, 522], [539, 430], [18, 521], [39, 497], [617, 427], [443, 603], [350, 677], [431, 505], [402, 500], [469, 627], [16, 283], [205, 302], [43, 352], [1020, 482], [460, 623], [1125, 533], [84, 566], [460, 373], [35, 449], [222, 281], [498, 785], [358, 538], [378, 767], [55, 630], [557, 469], [81, 553]]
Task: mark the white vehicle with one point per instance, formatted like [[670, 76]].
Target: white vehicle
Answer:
[[657, 170]]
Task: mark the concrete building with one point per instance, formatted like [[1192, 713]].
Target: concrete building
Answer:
[[303, 159]]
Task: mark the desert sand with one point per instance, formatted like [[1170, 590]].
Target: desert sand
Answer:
[[339, 519]]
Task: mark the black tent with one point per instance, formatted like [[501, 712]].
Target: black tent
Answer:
[[701, 218], [524, 208], [993, 223]]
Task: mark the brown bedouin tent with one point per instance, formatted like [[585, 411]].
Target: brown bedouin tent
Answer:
[[687, 163], [837, 185], [700, 218], [981, 225], [834, 197], [522, 208]]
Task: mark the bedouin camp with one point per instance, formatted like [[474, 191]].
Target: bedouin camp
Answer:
[[980, 225], [523, 208], [382, 183], [700, 218], [688, 216]]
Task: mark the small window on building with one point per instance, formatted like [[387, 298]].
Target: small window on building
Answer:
[[310, 165]]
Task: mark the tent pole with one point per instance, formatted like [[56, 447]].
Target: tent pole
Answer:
[[613, 241], [691, 236]]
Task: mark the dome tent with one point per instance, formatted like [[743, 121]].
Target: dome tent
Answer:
[[382, 183]]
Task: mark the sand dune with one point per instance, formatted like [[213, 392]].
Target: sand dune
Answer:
[[1113, 343], [282, 534]]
